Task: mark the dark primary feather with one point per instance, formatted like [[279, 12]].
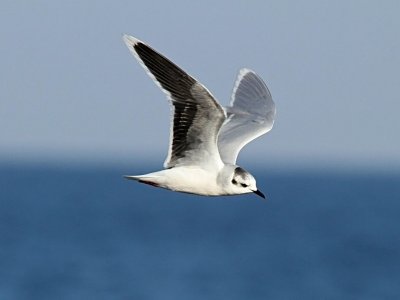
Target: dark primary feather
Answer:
[[191, 102]]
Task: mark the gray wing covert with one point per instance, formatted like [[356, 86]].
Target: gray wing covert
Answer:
[[251, 114]]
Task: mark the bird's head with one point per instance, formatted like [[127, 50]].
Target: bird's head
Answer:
[[242, 182]]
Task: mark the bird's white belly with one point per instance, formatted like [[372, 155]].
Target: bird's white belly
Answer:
[[193, 180]]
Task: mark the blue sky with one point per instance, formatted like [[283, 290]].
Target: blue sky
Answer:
[[70, 90]]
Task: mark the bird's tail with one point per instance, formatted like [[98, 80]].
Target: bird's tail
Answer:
[[146, 179], [132, 177]]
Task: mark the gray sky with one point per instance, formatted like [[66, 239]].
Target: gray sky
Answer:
[[70, 89]]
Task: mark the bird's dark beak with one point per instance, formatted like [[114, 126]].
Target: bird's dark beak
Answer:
[[258, 192]]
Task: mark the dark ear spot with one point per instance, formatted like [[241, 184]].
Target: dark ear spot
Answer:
[[234, 181], [240, 172]]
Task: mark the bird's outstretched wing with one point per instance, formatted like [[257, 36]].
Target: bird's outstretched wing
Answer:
[[250, 115], [197, 117]]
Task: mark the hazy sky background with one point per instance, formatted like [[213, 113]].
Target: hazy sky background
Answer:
[[71, 91]]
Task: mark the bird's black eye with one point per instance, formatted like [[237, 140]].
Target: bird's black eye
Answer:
[[243, 185], [234, 181]]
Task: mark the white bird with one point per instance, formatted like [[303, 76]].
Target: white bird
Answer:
[[205, 139]]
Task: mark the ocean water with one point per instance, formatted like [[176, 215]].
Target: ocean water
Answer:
[[71, 233]]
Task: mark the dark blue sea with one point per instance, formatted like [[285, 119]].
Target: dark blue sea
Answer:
[[86, 233]]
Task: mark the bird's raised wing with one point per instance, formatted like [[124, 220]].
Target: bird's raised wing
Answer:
[[197, 117], [251, 114]]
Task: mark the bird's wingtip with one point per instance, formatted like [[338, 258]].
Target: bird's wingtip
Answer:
[[244, 71], [130, 40]]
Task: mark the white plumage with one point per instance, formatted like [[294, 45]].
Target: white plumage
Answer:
[[205, 138]]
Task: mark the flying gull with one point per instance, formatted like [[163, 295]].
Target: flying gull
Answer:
[[205, 138]]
